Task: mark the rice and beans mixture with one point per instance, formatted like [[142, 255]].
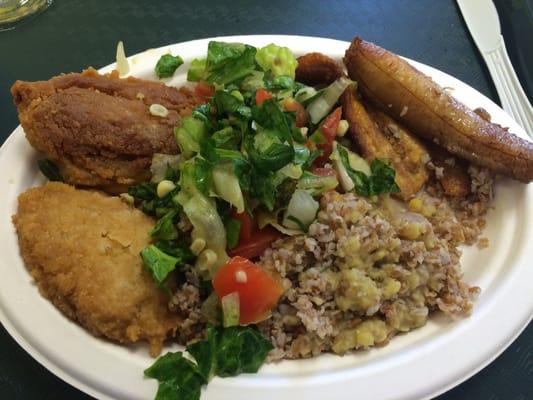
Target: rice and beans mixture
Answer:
[[368, 269]]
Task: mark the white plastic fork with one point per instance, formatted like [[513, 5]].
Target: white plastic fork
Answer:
[[482, 20], [511, 93]]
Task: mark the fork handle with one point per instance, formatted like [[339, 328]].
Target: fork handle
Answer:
[[511, 93]]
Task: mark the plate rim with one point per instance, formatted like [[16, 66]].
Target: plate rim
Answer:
[[67, 377]]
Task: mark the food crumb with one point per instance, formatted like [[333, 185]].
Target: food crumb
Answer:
[[483, 243]]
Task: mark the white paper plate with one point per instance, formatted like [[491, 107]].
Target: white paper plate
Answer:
[[421, 364]]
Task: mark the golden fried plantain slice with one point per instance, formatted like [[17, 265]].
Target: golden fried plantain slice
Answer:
[[317, 69], [378, 136], [414, 99]]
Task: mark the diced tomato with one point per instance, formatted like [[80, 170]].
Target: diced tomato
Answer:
[[327, 132], [331, 123], [247, 225], [257, 244], [262, 95], [258, 291], [291, 105], [203, 89], [323, 171]]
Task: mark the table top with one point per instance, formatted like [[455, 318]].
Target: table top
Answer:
[[74, 34]]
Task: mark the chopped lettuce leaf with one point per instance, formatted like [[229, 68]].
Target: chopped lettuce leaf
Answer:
[[315, 184], [229, 62], [196, 71], [226, 352], [227, 185], [164, 229], [278, 60], [167, 65], [158, 263], [189, 135]]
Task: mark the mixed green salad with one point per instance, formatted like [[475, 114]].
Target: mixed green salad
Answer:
[[254, 160]]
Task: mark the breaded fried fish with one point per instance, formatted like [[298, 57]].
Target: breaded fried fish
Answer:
[[98, 128], [414, 99], [378, 136], [82, 248]]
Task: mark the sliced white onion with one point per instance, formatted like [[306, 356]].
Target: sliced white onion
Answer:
[[123, 66], [321, 106], [302, 207], [158, 110]]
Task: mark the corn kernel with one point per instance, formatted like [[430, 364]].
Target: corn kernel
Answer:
[[197, 246], [342, 128], [165, 187]]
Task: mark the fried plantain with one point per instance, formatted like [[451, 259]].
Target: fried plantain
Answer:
[[414, 99], [317, 69], [378, 136]]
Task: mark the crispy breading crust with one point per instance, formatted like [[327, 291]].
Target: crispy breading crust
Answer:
[[407, 155], [98, 128], [415, 100], [317, 69], [82, 248]]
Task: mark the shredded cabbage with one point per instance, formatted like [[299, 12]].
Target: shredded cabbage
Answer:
[[227, 185]]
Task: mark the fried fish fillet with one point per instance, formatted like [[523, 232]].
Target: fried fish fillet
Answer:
[[317, 69], [378, 136], [414, 99], [82, 248], [98, 128]]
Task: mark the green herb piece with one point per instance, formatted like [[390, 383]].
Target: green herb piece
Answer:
[[225, 102], [167, 65], [381, 180], [227, 138], [196, 71], [276, 156], [233, 230], [177, 250], [226, 352], [143, 191], [203, 174], [270, 116], [279, 60], [50, 170], [164, 229], [158, 263]]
